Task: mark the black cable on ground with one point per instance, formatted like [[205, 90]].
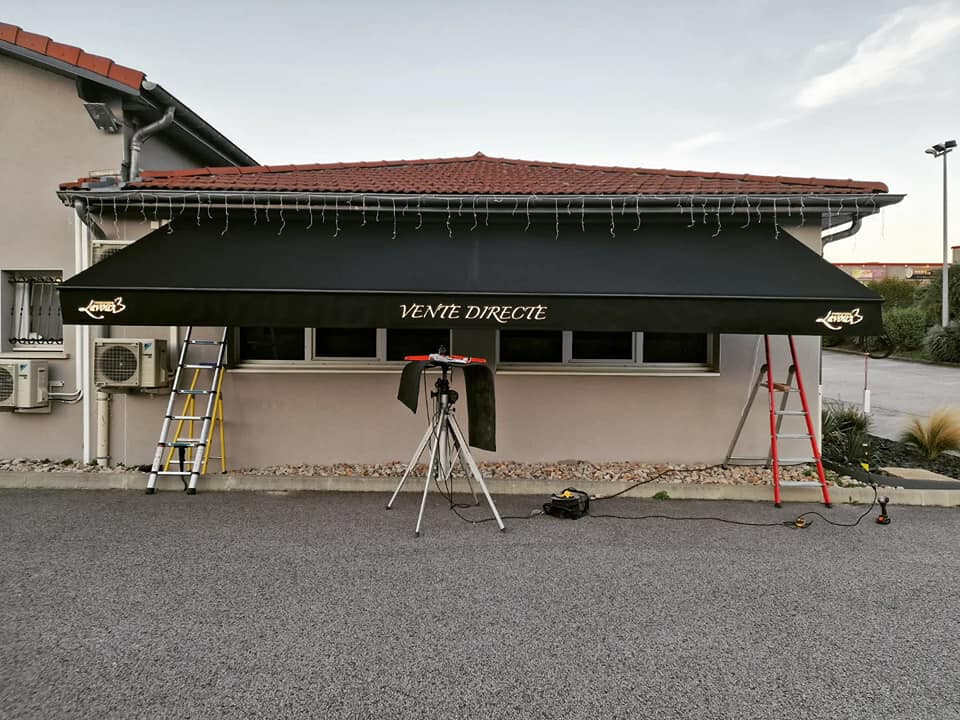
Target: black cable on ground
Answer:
[[798, 522]]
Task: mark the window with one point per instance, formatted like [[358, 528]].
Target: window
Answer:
[[269, 343], [595, 348], [415, 342], [674, 347], [617, 346], [34, 321], [337, 345], [531, 346], [345, 343]]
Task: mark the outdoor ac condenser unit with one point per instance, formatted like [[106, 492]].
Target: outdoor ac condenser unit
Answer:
[[130, 364], [24, 384]]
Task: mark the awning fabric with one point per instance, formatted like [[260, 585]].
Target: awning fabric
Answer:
[[663, 277]]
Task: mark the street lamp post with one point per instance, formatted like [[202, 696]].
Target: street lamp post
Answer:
[[942, 150]]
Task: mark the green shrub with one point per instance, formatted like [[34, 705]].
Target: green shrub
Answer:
[[929, 296], [940, 432], [845, 433], [895, 292], [905, 326], [943, 344]]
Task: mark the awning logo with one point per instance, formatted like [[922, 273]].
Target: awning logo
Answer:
[[97, 309], [835, 319]]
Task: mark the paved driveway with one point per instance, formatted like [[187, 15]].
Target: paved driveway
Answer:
[[898, 389], [323, 605]]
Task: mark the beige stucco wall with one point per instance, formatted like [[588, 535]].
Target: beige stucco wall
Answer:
[[47, 137], [316, 417]]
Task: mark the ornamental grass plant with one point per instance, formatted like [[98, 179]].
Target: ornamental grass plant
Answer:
[[935, 435]]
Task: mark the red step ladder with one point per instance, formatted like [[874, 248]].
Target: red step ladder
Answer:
[[778, 411]]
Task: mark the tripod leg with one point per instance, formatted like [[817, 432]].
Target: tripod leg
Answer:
[[413, 463], [467, 474], [465, 454], [434, 451]]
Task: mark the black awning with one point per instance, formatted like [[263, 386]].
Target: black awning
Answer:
[[663, 277]]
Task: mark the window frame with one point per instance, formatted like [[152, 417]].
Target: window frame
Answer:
[[634, 365], [311, 360], [568, 366], [12, 327]]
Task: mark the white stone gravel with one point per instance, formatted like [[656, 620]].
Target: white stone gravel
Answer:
[[563, 472]]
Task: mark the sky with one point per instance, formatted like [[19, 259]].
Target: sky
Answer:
[[850, 89]]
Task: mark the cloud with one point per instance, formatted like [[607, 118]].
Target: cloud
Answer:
[[891, 53], [700, 141]]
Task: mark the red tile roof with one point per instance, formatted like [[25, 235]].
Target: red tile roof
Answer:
[[482, 175], [71, 55]]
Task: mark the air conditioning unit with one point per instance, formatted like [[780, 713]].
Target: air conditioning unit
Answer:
[[130, 364], [24, 384], [102, 249]]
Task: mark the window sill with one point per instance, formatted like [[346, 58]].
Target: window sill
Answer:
[[294, 367], [35, 355], [609, 370]]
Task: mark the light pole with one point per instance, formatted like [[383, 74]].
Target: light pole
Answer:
[[943, 149]]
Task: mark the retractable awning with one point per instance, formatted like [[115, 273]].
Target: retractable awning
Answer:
[[663, 277]]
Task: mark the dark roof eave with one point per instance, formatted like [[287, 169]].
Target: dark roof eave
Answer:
[[64, 68], [867, 203]]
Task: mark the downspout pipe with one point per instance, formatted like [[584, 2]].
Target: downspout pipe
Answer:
[[852, 230], [141, 135]]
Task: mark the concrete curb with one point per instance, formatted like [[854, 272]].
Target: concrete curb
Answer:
[[136, 481]]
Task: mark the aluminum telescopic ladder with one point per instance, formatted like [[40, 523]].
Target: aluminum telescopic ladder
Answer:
[[193, 450], [778, 411]]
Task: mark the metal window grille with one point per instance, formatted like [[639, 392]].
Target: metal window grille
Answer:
[[35, 319]]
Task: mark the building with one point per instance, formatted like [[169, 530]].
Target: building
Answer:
[[919, 273], [68, 113], [621, 307]]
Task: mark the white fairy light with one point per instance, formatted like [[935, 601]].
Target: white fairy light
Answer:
[[475, 221], [704, 206], [309, 211], [198, 210], [266, 211], [394, 236], [638, 214], [460, 209], [336, 218], [283, 220], [556, 219], [419, 214], [363, 211], [613, 226], [529, 198], [486, 217], [776, 227], [693, 220], [209, 203], [116, 220], [719, 224], [803, 216], [377, 216], [226, 216], [583, 214], [746, 200], [449, 228]]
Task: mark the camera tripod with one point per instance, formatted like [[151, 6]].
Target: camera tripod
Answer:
[[447, 446]]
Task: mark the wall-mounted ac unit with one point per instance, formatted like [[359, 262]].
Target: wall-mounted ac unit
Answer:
[[130, 364], [102, 249], [24, 384]]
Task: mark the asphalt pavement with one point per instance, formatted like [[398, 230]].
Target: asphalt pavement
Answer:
[[899, 390], [220, 605]]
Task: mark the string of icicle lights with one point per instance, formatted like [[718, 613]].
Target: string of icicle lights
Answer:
[[272, 209]]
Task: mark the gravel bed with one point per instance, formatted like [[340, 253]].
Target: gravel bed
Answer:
[[58, 466], [565, 472]]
